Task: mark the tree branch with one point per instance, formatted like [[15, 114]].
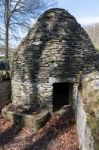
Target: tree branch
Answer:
[[14, 9]]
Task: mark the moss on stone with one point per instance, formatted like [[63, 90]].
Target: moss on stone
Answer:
[[97, 102], [94, 126], [90, 96], [96, 146], [92, 122]]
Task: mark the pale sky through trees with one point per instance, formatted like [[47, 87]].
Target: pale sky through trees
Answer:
[[85, 11]]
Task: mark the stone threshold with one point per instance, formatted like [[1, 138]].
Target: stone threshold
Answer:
[[63, 111]]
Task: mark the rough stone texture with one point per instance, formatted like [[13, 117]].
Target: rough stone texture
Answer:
[[97, 61], [55, 47], [90, 92], [87, 112], [5, 93], [84, 132], [30, 121]]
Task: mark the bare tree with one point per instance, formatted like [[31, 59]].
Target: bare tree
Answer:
[[93, 32], [16, 16]]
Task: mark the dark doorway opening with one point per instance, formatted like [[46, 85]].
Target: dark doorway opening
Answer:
[[60, 95]]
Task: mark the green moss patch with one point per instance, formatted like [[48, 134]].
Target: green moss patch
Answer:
[[94, 126], [97, 102]]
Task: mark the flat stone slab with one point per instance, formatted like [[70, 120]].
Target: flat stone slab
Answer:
[[63, 111], [35, 121]]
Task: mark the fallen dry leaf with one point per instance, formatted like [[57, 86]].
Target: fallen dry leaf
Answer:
[[58, 134]]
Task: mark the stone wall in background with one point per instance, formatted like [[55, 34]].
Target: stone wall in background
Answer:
[[55, 47], [5, 93]]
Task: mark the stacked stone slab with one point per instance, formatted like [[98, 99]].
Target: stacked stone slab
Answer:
[[55, 49]]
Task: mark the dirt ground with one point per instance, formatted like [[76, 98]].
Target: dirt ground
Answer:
[[58, 134]]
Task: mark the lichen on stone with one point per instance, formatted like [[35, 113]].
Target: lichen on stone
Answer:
[[90, 97]]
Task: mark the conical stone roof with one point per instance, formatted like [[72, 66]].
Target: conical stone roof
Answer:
[[56, 47]]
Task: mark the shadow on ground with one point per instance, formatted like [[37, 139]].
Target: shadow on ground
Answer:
[[51, 132], [8, 135]]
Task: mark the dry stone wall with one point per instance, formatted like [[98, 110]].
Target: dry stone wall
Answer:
[[55, 47], [84, 133], [87, 112]]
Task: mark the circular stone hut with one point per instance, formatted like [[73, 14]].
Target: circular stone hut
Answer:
[[49, 60]]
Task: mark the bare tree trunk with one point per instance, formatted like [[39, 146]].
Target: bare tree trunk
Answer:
[[7, 40], [6, 34]]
